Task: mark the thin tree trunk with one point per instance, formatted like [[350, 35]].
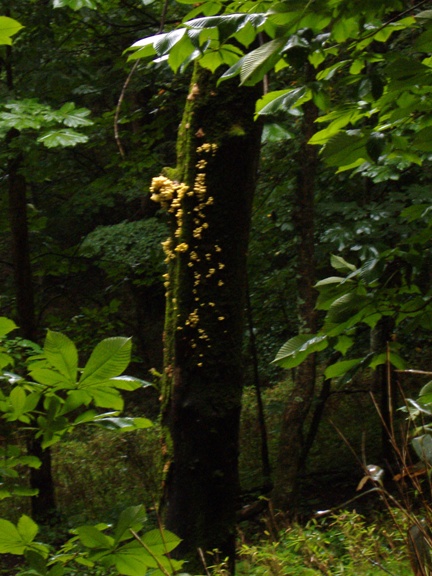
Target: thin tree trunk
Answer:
[[265, 458], [218, 150], [43, 504], [297, 409], [20, 248]]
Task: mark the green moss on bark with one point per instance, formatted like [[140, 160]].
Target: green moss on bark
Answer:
[[218, 149]]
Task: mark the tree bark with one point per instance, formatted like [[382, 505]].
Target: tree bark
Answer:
[[299, 403], [20, 247], [218, 151]]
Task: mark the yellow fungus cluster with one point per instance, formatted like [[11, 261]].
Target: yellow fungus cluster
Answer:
[[170, 195]]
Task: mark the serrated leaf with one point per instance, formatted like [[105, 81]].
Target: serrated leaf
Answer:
[[161, 542], [62, 354], [341, 265], [74, 117], [281, 100], [62, 138], [131, 518], [106, 397], [91, 537], [10, 539], [27, 529], [297, 349], [47, 377], [345, 148], [108, 360], [258, 62], [346, 307]]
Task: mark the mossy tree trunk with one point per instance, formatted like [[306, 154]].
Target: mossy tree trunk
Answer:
[[209, 199]]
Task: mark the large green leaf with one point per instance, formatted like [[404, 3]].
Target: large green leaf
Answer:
[[161, 541], [92, 537], [133, 560], [277, 100], [106, 397], [62, 354], [258, 62], [27, 529], [228, 24], [11, 541], [8, 28], [73, 117], [297, 349], [108, 360], [346, 307], [346, 148], [131, 518], [341, 368]]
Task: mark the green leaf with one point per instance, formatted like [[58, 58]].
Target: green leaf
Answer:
[[161, 542], [106, 397], [257, 63], [125, 424], [297, 349], [129, 383], [91, 537], [345, 28], [76, 4], [62, 354], [343, 344], [133, 560], [392, 357], [131, 518], [228, 24], [345, 148], [272, 102], [8, 28], [164, 42], [341, 265], [346, 307], [340, 368], [73, 117], [276, 132], [17, 399], [27, 529], [48, 377], [423, 447], [6, 326], [75, 399], [62, 138], [375, 145], [108, 360], [11, 541]]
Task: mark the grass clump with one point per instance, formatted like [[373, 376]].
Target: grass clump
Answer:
[[343, 544]]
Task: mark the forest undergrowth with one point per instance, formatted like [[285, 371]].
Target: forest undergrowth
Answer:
[[337, 531]]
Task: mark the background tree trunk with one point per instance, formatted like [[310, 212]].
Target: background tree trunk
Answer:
[[218, 151], [299, 403]]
